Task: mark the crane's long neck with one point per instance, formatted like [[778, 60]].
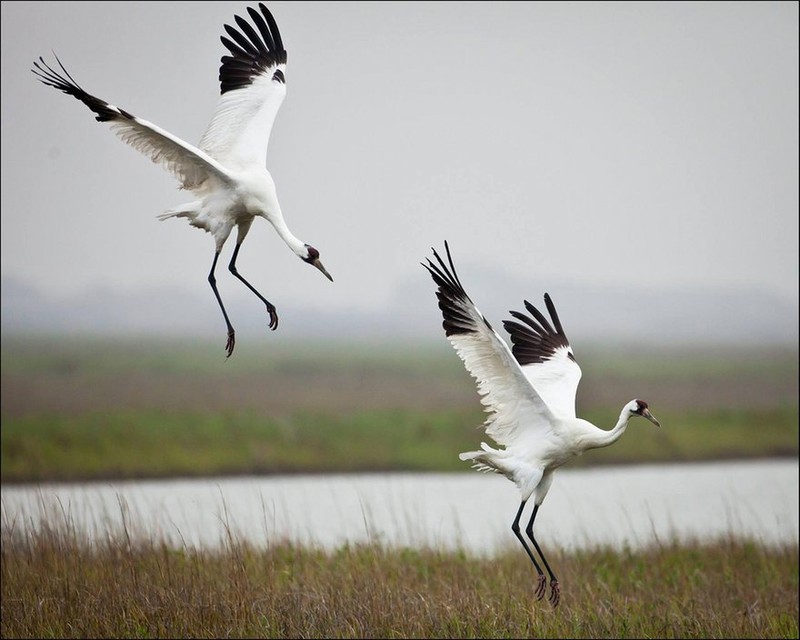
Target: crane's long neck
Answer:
[[601, 438], [295, 244]]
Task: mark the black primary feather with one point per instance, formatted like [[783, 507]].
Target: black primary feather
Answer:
[[453, 299], [536, 340], [251, 54]]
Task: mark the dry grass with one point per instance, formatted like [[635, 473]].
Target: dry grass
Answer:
[[54, 586]]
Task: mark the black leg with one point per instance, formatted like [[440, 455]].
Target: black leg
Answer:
[[542, 584], [212, 280], [273, 313], [555, 590]]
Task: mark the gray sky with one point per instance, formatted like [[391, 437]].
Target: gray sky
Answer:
[[632, 144]]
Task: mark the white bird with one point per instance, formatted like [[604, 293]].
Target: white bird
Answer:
[[529, 392], [226, 173]]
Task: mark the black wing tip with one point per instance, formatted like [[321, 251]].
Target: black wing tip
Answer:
[[252, 52], [451, 294], [67, 84], [46, 74], [534, 339]]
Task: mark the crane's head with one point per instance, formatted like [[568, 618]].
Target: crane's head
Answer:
[[639, 408], [311, 256]]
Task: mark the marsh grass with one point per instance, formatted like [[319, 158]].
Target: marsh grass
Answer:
[[122, 585], [79, 409], [152, 444]]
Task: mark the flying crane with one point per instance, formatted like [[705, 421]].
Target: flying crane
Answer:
[[226, 172], [529, 392]]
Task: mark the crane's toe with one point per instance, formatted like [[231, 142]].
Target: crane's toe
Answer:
[[541, 587], [230, 344], [555, 593], [273, 316]]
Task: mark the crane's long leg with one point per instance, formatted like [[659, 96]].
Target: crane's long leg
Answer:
[[273, 313], [542, 584], [555, 590], [212, 280]]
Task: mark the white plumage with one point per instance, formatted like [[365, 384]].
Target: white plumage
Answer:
[[226, 173], [529, 393]]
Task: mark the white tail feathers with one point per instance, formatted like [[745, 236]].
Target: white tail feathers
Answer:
[[175, 213], [188, 210], [192, 211], [473, 455], [484, 460]]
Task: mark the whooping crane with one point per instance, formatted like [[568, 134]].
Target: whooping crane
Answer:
[[226, 173], [529, 392]]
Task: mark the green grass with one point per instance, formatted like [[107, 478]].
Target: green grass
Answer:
[[133, 444], [53, 587], [92, 409], [703, 435]]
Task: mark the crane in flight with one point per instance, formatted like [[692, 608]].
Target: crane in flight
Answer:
[[226, 172], [529, 393]]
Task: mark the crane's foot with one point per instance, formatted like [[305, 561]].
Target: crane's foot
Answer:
[[541, 587], [555, 593], [273, 316], [230, 343]]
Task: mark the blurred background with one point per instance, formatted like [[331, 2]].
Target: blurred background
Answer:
[[638, 161]]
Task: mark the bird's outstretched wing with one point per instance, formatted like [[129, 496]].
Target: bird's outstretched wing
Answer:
[[545, 355], [252, 88], [515, 407], [187, 163]]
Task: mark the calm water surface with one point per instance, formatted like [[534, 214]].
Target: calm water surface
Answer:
[[616, 506]]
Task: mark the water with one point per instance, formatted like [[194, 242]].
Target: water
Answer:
[[615, 506]]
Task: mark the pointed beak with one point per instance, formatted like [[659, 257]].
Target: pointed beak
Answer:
[[646, 413], [319, 266]]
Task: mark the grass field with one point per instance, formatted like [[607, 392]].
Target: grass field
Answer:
[[53, 587], [80, 409]]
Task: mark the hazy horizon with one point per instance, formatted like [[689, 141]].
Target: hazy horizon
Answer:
[[591, 315], [628, 146]]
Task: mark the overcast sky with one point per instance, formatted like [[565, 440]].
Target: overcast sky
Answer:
[[631, 144]]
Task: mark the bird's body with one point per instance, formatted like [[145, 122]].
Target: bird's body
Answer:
[[529, 392], [226, 172]]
